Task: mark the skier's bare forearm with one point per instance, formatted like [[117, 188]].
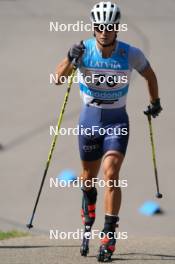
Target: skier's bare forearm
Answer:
[[64, 68], [151, 79]]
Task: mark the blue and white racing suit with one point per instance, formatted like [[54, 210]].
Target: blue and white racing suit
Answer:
[[104, 84]]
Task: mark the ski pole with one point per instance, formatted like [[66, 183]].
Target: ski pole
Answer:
[[30, 225], [158, 194]]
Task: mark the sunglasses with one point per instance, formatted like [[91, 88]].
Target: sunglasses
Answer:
[[104, 27]]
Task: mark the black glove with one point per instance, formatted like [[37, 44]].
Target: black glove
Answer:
[[76, 51], [154, 108]]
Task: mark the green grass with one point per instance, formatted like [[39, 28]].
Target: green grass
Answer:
[[12, 234]]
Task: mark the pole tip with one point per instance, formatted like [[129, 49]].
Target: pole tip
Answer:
[[29, 226], [159, 195]]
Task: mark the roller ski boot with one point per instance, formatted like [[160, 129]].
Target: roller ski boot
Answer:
[[108, 240], [88, 218], [84, 249]]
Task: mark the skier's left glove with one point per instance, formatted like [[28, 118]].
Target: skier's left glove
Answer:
[[154, 108]]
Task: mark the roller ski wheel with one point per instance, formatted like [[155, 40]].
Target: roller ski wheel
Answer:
[[104, 255], [106, 250]]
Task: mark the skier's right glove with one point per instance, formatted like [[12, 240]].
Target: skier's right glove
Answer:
[[76, 51]]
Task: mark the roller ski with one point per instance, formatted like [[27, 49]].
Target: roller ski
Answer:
[[106, 249]]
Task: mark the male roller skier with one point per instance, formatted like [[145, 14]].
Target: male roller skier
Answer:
[[104, 105]]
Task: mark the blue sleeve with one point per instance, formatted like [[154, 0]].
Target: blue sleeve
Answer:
[[137, 59]]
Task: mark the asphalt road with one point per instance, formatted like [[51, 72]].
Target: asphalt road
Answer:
[[39, 250], [29, 105]]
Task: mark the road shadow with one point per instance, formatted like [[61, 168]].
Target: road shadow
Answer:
[[120, 257], [140, 256], [39, 246]]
